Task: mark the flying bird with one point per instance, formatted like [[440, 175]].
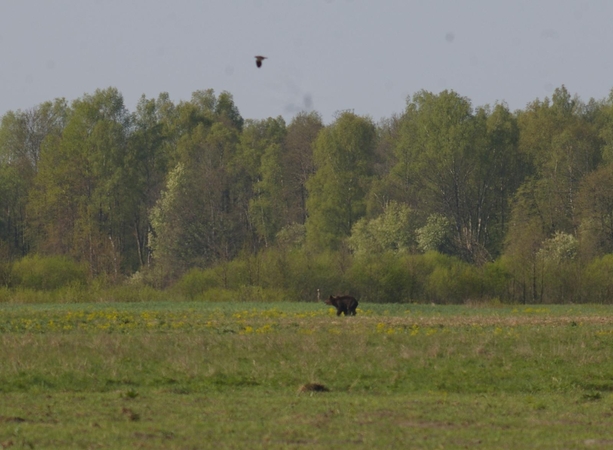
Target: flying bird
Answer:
[[259, 59]]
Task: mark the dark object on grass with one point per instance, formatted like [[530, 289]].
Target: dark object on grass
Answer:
[[345, 304], [313, 387], [130, 415], [12, 419]]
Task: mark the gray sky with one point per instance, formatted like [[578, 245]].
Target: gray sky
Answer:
[[324, 55]]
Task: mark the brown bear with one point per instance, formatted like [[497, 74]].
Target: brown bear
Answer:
[[345, 304]]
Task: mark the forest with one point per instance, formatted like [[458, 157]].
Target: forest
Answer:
[[444, 203]]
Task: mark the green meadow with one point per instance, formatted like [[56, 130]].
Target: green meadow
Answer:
[[181, 375]]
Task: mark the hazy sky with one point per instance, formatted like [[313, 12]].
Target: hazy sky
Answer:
[[324, 55]]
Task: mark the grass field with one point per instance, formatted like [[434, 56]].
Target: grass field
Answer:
[[199, 375]]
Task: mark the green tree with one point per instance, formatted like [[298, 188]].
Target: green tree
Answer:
[[22, 136], [523, 241], [392, 231], [343, 156], [263, 178], [167, 223], [560, 140], [598, 280], [80, 200], [595, 204], [595, 198], [227, 112], [560, 271], [436, 235], [505, 170], [201, 217], [605, 122], [454, 161], [298, 165], [385, 187], [151, 148], [559, 143], [267, 208]]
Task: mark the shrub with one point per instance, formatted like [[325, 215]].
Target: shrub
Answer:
[[259, 294], [297, 272], [243, 294], [218, 295], [496, 279], [381, 278], [453, 281], [561, 282], [23, 296], [196, 282], [5, 272], [128, 293], [598, 280], [308, 272], [48, 273]]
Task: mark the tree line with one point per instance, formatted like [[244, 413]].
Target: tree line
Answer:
[[522, 200]]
